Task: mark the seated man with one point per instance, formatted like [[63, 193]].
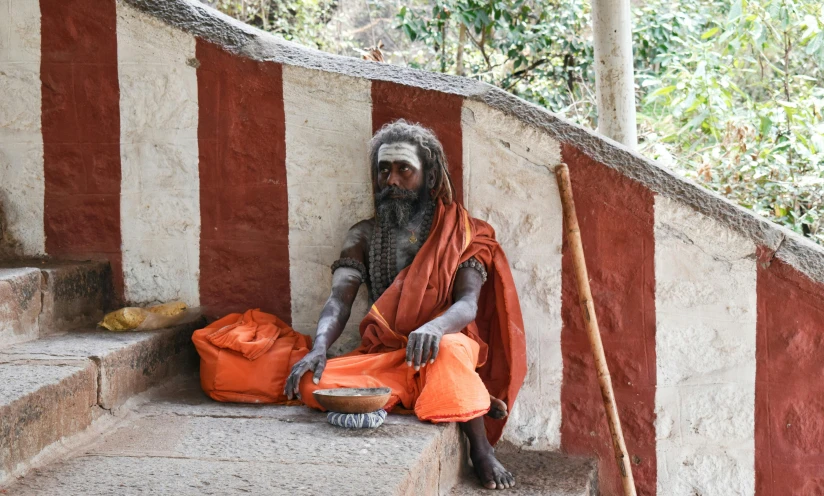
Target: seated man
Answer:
[[444, 331]]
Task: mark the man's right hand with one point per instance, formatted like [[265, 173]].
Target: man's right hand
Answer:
[[315, 360]]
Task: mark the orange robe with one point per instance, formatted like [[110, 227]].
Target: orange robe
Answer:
[[487, 357]]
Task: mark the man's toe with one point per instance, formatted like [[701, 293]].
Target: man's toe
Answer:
[[490, 484]]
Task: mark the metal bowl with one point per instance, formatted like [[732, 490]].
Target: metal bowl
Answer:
[[353, 400]]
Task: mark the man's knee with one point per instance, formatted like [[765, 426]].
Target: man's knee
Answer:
[[458, 346]]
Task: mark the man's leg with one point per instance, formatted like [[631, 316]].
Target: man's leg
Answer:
[[489, 470], [452, 391]]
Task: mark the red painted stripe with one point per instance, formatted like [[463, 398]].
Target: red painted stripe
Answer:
[[789, 388], [440, 112], [244, 240], [81, 130], [617, 226]]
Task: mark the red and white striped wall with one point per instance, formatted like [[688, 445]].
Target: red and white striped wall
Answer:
[[229, 183]]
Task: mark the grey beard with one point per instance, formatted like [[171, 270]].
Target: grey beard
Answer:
[[396, 211]]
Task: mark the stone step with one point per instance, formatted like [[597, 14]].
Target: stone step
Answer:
[[180, 442], [539, 472], [56, 386], [43, 297]]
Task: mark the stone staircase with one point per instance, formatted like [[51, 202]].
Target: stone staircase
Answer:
[[85, 411]]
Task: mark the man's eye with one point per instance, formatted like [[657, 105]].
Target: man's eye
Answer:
[[405, 168], [384, 170]]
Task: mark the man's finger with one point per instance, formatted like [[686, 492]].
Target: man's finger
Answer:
[[410, 348], [418, 351], [319, 371], [435, 347]]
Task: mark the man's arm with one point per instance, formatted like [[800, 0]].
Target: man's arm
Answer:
[[424, 343], [336, 311]]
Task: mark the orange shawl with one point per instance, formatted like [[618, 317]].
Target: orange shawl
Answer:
[[423, 291]]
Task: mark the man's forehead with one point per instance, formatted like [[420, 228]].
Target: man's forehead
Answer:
[[399, 152]]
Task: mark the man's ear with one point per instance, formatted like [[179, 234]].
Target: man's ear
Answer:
[[430, 178]]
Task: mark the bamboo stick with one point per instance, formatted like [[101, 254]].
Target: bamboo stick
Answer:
[[588, 311]]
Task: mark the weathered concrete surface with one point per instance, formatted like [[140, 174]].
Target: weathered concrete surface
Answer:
[[539, 472], [71, 294], [705, 278], [183, 443], [75, 294], [160, 197], [128, 362], [20, 303], [41, 402], [21, 141], [54, 387]]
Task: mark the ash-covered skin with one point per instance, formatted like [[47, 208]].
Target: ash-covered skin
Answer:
[[409, 172]]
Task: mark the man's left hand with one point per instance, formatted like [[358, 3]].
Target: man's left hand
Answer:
[[423, 345]]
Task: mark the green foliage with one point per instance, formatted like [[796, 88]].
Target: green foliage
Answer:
[[736, 101], [730, 91], [302, 21]]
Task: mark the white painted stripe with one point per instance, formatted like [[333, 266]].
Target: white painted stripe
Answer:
[[22, 181], [508, 183], [160, 202], [705, 285], [328, 127]]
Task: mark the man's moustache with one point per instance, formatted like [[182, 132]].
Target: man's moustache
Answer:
[[396, 193]]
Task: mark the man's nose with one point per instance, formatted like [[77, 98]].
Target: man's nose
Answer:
[[393, 179]]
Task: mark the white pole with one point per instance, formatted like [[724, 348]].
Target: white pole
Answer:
[[614, 77]]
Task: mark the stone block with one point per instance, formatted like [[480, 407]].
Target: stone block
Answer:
[[161, 270], [93, 475], [127, 362], [539, 472], [20, 305], [21, 167], [40, 403], [702, 470], [75, 294]]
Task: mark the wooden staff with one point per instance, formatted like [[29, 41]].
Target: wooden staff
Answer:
[[588, 311]]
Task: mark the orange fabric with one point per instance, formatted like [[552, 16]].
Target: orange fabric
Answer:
[[420, 293], [448, 390], [247, 357]]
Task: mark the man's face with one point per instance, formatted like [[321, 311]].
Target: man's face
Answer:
[[401, 182]]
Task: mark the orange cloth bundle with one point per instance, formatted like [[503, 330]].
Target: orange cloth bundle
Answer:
[[247, 357]]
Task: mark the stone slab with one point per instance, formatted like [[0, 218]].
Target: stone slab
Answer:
[[74, 293], [125, 476], [128, 362], [540, 472], [40, 403], [20, 304], [181, 442]]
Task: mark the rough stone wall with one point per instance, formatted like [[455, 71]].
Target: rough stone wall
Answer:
[[159, 201], [616, 219], [705, 279], [328, 127], [509, 183], [789, 391], [21, 141]]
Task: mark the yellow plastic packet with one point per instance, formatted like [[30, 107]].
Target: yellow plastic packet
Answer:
[[136, 318]]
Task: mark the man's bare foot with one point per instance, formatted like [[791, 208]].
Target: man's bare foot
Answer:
[[489, 470], [497, 409]]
